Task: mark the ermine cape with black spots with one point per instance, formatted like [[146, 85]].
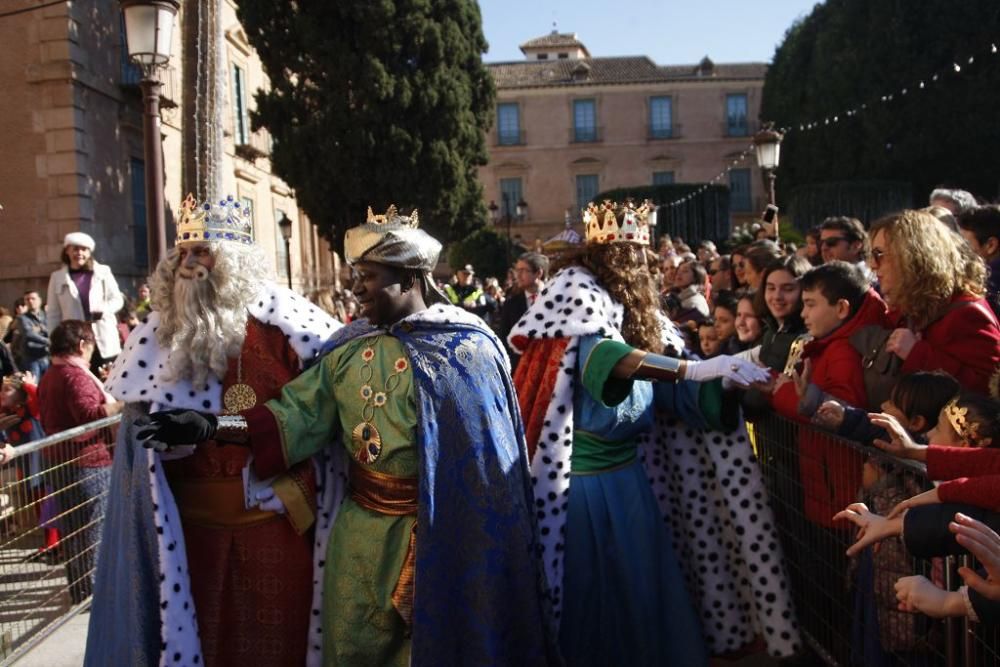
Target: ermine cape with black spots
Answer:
[[706, 482], [143, 609]]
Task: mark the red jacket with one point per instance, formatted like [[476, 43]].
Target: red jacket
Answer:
[[974, 473], [830, 472], [965, 342], [68, 397]]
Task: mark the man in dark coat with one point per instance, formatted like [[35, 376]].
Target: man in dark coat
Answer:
[[530, 273]]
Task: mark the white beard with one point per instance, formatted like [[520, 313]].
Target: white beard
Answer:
[[203, 333]]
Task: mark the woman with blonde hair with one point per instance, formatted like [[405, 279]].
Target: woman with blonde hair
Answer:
[[934, 285]]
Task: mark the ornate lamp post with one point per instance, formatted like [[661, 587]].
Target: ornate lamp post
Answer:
[[285, 225], [767, 144], [520, 212], [149, 30]]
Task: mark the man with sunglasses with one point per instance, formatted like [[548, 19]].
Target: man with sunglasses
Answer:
[[845, 239]]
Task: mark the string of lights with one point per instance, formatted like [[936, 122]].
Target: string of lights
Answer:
[[800, 128]]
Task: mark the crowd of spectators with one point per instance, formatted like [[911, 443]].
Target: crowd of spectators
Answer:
[[895, 319], [884, 333]]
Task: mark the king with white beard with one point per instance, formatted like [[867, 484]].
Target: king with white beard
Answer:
[[200, 563]]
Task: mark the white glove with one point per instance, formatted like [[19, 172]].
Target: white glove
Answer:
[[739, 371], [269, 501]]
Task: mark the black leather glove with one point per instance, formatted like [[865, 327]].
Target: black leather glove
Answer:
[[162, 430]]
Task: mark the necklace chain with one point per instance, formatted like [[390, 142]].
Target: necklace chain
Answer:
[[365, 434]]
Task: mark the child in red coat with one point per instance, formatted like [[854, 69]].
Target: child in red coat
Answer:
[[837, 301]]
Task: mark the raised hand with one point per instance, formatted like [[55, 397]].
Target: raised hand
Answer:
[[803, 378], [983, 543], [918, 594], [872, 527], [830, 414], [737, 370], [900, 443], [901, 342], [925, 498]]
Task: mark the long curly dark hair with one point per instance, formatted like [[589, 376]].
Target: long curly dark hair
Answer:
[[630, 274]]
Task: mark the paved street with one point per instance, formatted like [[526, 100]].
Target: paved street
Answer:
[[63, 648], [32, 595]]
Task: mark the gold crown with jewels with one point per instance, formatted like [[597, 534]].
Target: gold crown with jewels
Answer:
[[392, 217], [225, 221], [617, 223]]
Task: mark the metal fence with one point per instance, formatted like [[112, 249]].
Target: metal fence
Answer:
[[52, 502], [847, 607], [52, 498]]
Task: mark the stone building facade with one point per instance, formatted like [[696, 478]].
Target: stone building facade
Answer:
[[70, 117], [569, 125]]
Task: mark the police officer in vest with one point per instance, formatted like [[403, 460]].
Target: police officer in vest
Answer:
[[465, 292]]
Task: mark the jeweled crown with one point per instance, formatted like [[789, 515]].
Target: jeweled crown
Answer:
[[225, 221], [392, 217], [617, 223]]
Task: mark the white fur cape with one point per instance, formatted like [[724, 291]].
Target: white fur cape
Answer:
[[137, 375]]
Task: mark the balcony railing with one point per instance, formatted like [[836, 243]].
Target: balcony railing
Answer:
[[518, 138], [744, 129], [673, 131], [586, 135]]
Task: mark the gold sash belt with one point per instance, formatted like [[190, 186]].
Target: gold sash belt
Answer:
[[215, 502], [394, 496]]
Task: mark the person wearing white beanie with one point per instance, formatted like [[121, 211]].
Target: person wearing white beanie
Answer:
[[84, 289]]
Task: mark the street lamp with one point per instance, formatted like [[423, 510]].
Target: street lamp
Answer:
[[767, 143], [149, 31], [521, 211], [285, 225]]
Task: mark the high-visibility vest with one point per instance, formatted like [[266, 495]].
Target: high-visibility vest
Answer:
[[470, 300]]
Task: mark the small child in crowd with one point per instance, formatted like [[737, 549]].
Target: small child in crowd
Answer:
[[837, 301], [708, 339]]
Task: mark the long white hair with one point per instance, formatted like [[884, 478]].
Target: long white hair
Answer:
[[203, 320]]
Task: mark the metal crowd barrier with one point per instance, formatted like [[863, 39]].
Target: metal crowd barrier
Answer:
[[847, 606], [52, 500]]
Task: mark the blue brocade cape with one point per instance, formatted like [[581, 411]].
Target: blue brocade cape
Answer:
[[480, 596]]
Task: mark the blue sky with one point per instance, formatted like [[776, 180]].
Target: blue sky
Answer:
[[671, 32]]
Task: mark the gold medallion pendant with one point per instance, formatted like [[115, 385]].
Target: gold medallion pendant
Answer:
[[239, 397], [368, 441]]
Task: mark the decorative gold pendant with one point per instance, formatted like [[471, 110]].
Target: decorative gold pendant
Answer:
[[368, 441], [239, 397]]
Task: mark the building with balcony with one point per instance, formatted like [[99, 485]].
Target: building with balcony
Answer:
[[71, 119], [569, 125]]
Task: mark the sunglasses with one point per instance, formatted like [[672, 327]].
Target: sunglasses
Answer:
[[877, 255], [832, 241]]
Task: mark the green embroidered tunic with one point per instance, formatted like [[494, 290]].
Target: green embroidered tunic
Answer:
[[360, 625]]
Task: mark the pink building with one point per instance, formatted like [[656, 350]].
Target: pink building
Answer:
[[570, 125]]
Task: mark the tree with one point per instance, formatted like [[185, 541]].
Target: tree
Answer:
[[852, 52], [486, 250], [375, 102]]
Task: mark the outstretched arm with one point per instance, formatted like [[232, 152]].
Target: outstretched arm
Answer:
[[642, 365]]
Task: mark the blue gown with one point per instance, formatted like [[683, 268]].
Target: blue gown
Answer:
[[625, 599]]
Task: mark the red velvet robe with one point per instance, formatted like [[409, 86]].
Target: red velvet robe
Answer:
[[252, 585]]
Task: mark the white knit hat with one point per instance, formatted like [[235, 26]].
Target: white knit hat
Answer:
[[80, 239]]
